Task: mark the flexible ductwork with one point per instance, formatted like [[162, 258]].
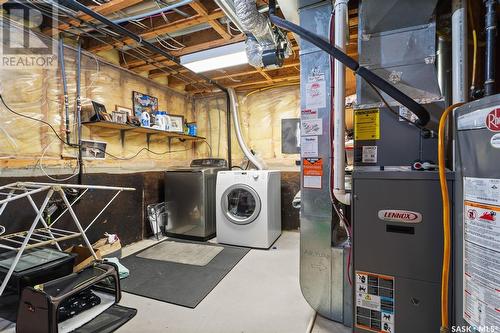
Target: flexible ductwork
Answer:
[[234, 110], [252, 21], [257, 26]]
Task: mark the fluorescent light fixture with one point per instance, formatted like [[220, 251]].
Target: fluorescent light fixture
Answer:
[[220, 57]]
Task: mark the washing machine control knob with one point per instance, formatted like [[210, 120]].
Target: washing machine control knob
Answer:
[[255, 177]]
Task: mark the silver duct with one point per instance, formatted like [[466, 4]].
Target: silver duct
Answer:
[[254, 22], [258, 29], [234, 110]]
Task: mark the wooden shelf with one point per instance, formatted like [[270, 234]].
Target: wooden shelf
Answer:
[[146, 130]]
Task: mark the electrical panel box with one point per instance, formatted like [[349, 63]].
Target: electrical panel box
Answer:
[[398, 246], [477, 215]]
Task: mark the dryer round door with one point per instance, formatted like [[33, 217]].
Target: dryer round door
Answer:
[[241, 204]]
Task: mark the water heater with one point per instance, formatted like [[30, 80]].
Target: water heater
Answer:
[[477, 215]]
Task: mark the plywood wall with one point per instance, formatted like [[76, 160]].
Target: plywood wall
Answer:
[[260, 113], [26, 144]]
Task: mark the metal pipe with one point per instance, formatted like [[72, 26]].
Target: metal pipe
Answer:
[[153, 12], [65, 88], [459, 51], [339, 106], [491, 35], [228, 129], [234, 109], [79, 110]]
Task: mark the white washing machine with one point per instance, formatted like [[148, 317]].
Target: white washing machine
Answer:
[[248, 207]]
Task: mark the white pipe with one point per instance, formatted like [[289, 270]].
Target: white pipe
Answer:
[[459, 50], [339, 106], [234, 110], [459, 60]]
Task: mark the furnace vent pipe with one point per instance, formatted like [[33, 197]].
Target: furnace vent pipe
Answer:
[[234, 110], [339, 106]]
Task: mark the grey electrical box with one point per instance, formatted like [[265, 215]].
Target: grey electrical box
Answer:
[[477, 215], [395, 142], [398, 246]]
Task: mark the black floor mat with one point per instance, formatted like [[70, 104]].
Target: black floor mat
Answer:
[[108, 321], [181, 284]]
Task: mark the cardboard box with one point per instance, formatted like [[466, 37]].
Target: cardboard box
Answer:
[[106, 249], [84, 257]]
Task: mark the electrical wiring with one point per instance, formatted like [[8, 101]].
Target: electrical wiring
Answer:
[[445, 274], [114, 36]]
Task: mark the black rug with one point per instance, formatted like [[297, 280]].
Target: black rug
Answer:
[[180, 284]]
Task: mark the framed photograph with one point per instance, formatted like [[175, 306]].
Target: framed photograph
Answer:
[[99, 112], [175, 123], [93, 150], [119, 117], [119, 108], [144, 103]]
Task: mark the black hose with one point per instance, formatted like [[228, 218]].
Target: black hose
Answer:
[[389, 89], [491, 34]]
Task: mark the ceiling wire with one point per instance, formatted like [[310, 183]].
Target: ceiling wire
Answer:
[[145, 58]]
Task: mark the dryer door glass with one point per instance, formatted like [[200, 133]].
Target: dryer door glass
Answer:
[[241, 204]]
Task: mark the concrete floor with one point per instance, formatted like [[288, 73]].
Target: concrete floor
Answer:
[[260, 295]]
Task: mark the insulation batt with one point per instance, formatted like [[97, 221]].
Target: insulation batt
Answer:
[[260, 119], [38, 93]]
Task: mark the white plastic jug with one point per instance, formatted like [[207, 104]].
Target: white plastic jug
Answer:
[[145, 119]]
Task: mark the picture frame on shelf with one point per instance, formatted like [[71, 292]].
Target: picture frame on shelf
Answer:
[[99, 112], [119, 117], [119, 108], [175, 123]]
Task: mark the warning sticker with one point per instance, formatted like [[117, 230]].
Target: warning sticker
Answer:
[[367, 124], [316, 92], [309, 113], [311, 127], [482, 190], [313, 172], [369, 154], [375, 302], [481, 286]]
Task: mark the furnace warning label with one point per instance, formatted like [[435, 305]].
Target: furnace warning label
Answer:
[[313, 171], [367, 124], [375, 302]]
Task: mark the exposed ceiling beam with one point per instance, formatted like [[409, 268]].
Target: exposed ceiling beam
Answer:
[[163, 29], [203, 11], [104, 9]]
